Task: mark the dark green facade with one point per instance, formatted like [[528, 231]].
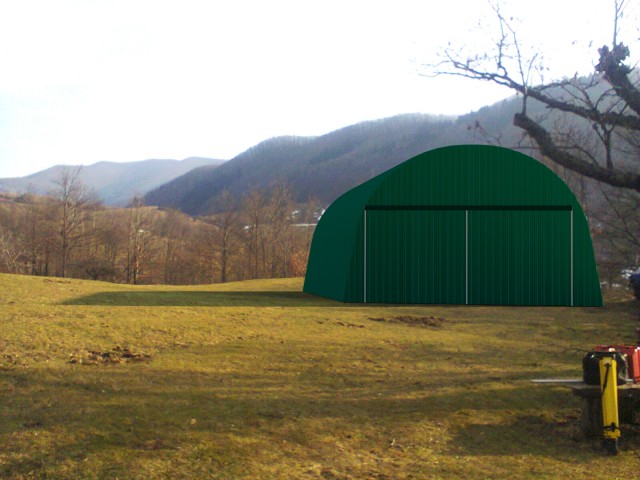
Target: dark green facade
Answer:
[[468, 224]]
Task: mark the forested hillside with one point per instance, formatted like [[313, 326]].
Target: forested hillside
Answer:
[[324, 167]]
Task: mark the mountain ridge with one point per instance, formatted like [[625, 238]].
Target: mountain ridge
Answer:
[[114, 183]]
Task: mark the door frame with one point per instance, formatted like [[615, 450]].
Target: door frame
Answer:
[[467, 208]]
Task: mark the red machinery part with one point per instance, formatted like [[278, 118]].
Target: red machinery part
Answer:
[[633, 357]]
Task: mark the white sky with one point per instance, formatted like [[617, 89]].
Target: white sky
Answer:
[[122, 80]]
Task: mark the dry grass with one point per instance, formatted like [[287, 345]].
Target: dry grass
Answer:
[[257, 380]]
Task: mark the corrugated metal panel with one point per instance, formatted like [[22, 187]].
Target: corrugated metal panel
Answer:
[[586, 283], [520, 257], [336, 248], [496, 257], [471, 175], [415, 256]]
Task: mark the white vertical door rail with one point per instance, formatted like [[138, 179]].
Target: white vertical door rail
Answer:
[[571, 254], [364, 258], [466, 257]]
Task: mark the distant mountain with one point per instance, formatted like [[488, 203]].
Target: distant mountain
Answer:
[[114, 183], [324, 167]]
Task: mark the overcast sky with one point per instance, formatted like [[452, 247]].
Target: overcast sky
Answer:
[[123, 80]]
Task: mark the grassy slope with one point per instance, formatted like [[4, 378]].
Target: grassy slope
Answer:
[[257, 380]]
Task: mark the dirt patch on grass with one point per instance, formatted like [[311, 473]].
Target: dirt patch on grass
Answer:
[[431, 321], [56, 280], [10, 361], [347, 324], [117, 355]]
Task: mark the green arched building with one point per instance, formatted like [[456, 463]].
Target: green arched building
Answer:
[[466, 224]]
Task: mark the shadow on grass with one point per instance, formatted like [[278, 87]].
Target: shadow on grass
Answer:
[[204, 299], [534, 435], [219, 416], [523, 435], [253, 299], [279, 298]]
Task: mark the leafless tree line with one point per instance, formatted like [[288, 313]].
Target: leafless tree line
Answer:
[[69, 234]]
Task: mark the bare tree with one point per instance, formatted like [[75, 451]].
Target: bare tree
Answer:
[[72, 200], [254, 208], [137, 242], [616, 230], [227, 232], [38, 232], [302, 234], [607, 103], [11, 243], [279, 238]]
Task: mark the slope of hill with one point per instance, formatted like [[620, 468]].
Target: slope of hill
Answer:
[[324, 167], [114, 183]]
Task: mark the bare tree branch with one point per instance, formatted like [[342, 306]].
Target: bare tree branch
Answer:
[[612, 114], [548, 148]]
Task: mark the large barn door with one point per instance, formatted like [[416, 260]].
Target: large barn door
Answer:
[[520, 257], [415, 256]]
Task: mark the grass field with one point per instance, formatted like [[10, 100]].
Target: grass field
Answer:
[[256, 380]]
